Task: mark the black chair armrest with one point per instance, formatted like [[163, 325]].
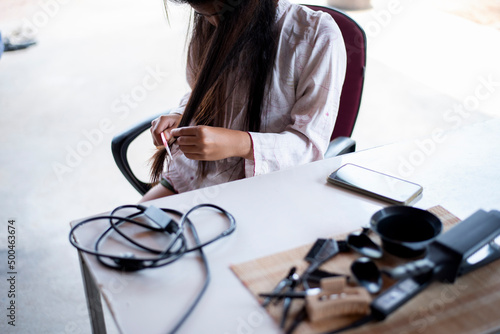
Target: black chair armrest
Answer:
[[119, 147], [340, 145]]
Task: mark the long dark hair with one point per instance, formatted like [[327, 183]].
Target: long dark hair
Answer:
[[242, 47]]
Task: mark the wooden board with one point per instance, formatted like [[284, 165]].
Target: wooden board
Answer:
[[470, 305]]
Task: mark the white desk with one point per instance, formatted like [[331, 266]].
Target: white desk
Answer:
[[459, 170]]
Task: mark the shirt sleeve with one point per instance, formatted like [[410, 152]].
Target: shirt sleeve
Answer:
[[313, 115]]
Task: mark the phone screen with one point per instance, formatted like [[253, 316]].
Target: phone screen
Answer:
[[378, 185]]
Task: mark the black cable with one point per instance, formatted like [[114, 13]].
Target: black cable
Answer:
[[163, 257], [205, 285], [138, 264]]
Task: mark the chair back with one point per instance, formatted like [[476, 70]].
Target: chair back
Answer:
[[350, 98]]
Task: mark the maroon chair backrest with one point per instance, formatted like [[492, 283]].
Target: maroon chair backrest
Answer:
[[350, 98]]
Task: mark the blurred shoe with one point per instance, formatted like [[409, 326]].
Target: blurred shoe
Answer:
[[1, 45], [9, 46], [17, 40]]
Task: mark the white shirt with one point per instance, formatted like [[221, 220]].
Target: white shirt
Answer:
[[298, 116]]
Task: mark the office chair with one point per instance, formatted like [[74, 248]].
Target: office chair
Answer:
[[350, 100]]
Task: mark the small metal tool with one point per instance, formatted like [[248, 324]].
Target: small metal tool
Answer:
[[276, 293], [321, 251], [292, 294], [287, 302]]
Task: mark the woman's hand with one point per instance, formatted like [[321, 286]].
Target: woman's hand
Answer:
[[213, 143], [165, 123]]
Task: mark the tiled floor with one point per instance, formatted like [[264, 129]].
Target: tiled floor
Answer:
[[62, 100]]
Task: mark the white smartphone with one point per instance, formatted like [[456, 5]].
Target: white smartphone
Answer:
[[375, 184]]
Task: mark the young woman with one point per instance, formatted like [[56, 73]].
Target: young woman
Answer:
[[266, 77]]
